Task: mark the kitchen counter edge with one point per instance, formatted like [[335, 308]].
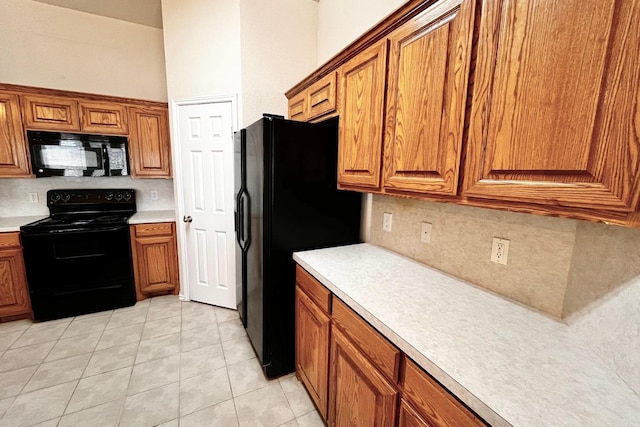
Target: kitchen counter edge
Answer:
[[334, 268]]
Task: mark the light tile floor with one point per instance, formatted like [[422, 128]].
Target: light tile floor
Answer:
[[162, 362]]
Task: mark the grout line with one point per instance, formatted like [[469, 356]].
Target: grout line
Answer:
[[135, 358]]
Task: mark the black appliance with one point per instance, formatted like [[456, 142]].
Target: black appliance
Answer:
[[74, 154], [78, 260], [286, 200]]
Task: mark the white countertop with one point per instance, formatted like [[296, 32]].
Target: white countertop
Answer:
[[146, 217], [13, 223], [512, 365]]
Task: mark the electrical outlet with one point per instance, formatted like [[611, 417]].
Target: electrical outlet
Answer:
[[33, 197], [154, 195], [425, 233], [500, 250], [386, 221]]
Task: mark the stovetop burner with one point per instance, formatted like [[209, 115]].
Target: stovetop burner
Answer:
[[85, 209]]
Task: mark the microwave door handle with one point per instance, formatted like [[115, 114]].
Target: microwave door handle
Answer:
[[106, 165]]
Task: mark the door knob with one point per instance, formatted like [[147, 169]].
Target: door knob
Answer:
[[187, 218]]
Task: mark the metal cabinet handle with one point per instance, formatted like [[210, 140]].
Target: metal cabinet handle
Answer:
[[187, 218]]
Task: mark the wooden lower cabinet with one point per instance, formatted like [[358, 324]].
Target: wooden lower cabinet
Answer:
[[14, 293], [359, 394], [408, 417], [357, 377], [312, 349], [436, 404], [155, 259]]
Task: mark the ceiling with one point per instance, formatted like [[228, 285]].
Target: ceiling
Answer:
[[144, 12]]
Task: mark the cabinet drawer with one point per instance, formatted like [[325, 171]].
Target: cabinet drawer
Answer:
[[321, 96], [384, 354], [49, 112], [314, 289], [155, 229], [9, 240], [436, 404]]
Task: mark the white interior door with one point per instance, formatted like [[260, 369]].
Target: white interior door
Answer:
[[206, 152]]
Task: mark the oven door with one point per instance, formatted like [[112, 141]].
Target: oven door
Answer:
[[78, 271]]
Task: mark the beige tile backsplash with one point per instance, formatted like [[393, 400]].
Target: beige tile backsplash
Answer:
[[555, 265], [604, 259]]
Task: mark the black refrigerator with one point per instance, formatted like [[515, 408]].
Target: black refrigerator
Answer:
[[286, 200]]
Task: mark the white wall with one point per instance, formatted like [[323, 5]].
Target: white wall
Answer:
[[340, 22], [53, 47], [253, 48], [278, 41], [202, 47]]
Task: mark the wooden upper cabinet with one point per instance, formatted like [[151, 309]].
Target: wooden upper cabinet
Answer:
[[14, 160], [297, 107], [429, 63], [556, 104], [362, 87], [321, 96], [149, 146], [316, 101], [50, 113], [103, 117]]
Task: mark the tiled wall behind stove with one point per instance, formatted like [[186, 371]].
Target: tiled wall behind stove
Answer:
[[15, 201]]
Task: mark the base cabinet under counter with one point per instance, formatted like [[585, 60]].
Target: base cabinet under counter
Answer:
[[355, 376], [155, 259], [14, 294]]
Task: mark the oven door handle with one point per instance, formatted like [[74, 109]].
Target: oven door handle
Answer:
[[77, 230]]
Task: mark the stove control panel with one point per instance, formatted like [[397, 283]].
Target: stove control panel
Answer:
[[92, 197]]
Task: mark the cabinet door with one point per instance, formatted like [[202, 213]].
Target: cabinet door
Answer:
[[155, 259], [149, 147], [427, 91], [50, 113], [297, 110], [321, 96], [408, 417], [103, 117], [556, 104], [14, 295], [312, 349], [361, 118], [359, 394], [13, 149], [437, 405]]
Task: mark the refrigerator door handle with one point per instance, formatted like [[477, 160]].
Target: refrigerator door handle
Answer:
[[246, 227], [240, 220]]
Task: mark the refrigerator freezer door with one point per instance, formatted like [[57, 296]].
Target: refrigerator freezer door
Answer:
[[240, 223], [257, 258]]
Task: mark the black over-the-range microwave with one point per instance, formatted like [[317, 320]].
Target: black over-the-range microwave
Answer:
[[74, 154]]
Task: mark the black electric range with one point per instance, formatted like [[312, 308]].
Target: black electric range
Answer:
[[78, 260]]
